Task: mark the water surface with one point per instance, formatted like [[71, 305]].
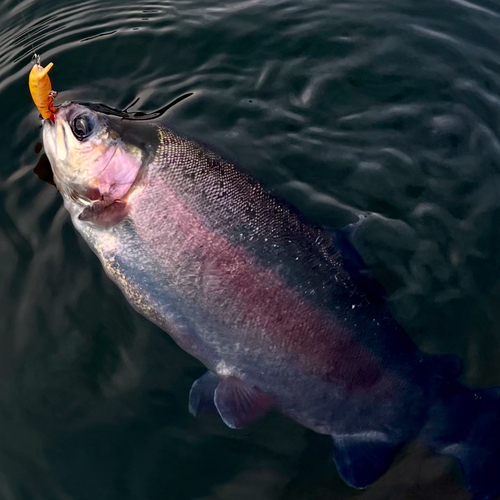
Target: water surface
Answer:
[[341, 107]]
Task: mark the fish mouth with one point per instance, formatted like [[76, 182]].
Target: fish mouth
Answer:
[[54, 141], [49, 142], [57, 149]]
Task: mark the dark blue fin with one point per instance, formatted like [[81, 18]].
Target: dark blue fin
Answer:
[[354, 263], [201, 395], [465, 423], [363, 457], [239, 404]]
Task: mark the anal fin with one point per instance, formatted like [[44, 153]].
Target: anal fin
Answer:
[[240, 404], [363, 457]]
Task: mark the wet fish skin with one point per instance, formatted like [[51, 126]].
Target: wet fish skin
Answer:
[[262, 297]]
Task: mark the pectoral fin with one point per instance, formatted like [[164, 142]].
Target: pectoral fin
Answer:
[[363, 457], [105, 212], [240, 404], [201, 395]]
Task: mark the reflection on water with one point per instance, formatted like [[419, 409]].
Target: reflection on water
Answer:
[[388, 106]]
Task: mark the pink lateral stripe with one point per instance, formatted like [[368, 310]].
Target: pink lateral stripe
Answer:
[[255, 298]]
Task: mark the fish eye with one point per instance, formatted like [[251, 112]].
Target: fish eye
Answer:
[[82, 126]]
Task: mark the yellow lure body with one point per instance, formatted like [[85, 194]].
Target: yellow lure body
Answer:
[[41, 90]]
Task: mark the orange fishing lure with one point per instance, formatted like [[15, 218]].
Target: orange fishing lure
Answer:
[[41, 89]]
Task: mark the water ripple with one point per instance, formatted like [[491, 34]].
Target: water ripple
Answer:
[[343, 107]]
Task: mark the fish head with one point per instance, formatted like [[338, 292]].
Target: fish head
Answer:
[[94, 155]]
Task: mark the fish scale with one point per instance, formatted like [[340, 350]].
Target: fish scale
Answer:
[[276, 231]]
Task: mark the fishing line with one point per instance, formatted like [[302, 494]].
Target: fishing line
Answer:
[[132, 115], [35, 56]]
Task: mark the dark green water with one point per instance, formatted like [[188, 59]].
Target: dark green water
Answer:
[[341, 107]]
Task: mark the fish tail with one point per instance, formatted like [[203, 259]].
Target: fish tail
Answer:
[[464, 423]]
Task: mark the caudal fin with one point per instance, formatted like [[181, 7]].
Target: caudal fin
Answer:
[[465, 424]]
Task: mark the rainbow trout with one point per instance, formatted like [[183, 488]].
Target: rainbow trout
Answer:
[[270, 303]]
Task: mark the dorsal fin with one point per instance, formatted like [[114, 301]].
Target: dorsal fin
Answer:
[[354, 263]]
